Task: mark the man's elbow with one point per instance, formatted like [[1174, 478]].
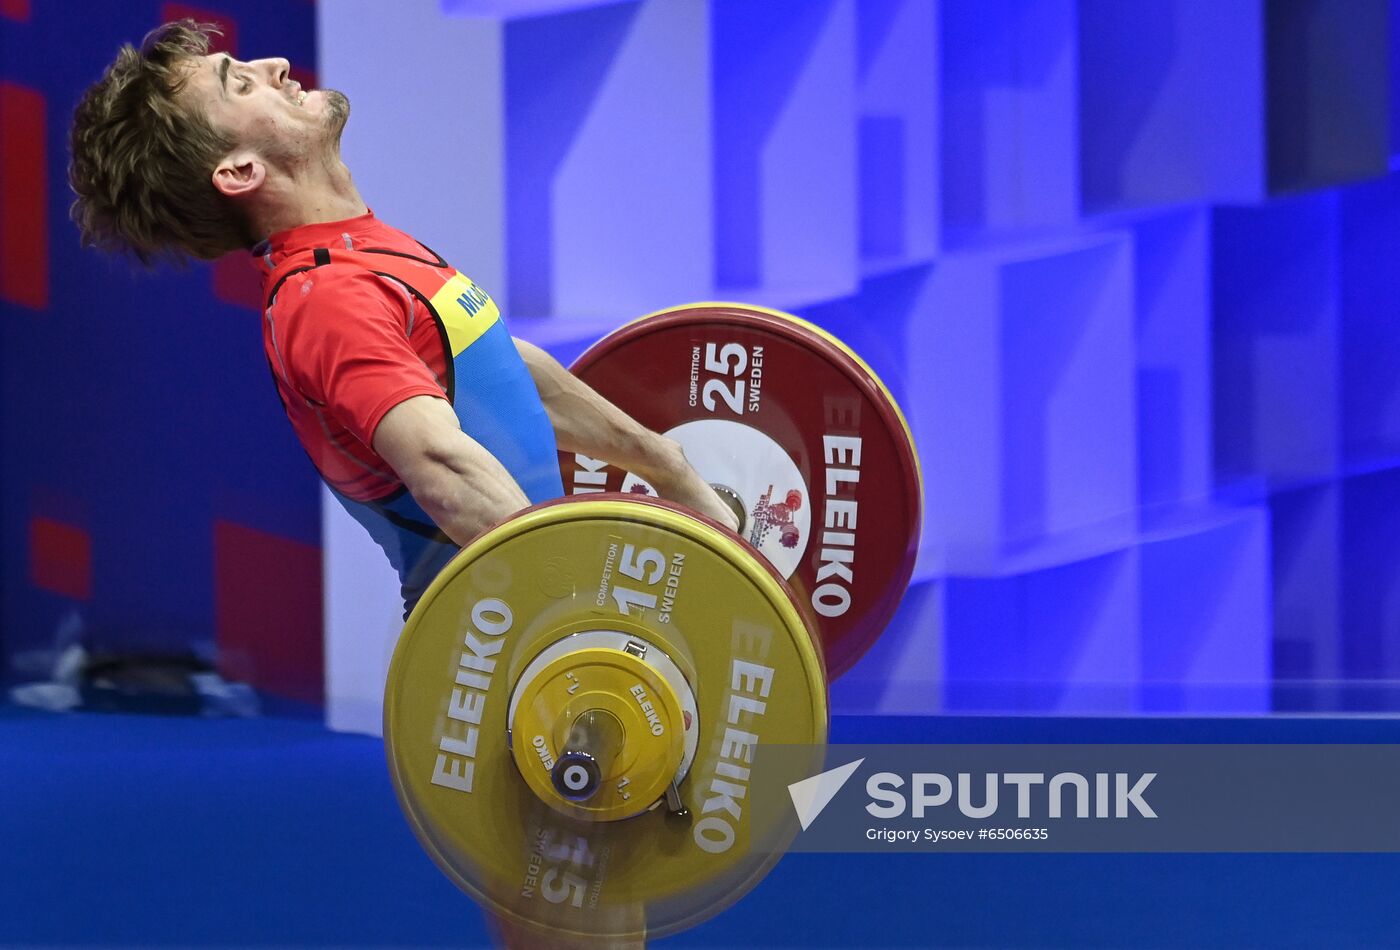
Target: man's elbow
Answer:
[[451, 484], [432, 484]]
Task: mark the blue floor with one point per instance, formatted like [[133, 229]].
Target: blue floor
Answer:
[[150, 831]]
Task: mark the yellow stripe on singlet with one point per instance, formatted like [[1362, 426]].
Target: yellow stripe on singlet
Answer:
[[466, 311]]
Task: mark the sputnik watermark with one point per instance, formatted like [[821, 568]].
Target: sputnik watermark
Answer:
[[1081, 798]]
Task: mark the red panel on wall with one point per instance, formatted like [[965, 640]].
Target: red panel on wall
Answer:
[[15, 10], [228, 43], [24, 222], [267, 611], [306, 77], [60, 558], [237, 281]]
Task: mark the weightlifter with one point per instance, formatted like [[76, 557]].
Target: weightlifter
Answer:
[[428, 421], [423, 415]]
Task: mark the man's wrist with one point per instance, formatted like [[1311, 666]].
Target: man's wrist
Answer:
[[660, 460]]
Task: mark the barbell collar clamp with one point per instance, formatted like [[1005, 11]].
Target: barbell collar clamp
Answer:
[[674, 803]]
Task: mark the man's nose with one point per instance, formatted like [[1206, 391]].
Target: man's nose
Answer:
[[278, 70]]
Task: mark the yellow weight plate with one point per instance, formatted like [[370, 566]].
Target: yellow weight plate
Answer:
[[637, 758], [647, 571]]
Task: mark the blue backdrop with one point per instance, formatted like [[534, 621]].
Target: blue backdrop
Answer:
[[1129, 267]]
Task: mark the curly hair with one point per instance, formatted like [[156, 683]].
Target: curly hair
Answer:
[[142, 161]]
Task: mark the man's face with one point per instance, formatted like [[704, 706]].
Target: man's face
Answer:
[[261, 108]]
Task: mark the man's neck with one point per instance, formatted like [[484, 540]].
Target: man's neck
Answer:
[[322, 193]]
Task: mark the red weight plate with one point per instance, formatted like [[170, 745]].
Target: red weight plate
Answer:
[[801, 432]]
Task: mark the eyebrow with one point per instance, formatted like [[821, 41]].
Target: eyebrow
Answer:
[[223, 77]]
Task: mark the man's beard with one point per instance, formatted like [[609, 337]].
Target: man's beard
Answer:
[[320, 145], [337, 111]]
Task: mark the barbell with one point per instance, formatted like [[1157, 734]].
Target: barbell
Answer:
[[573, 707]]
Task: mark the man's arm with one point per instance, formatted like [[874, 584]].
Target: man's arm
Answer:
[[586, 423], [461, 486]]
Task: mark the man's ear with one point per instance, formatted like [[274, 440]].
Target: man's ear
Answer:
[[239, 175]]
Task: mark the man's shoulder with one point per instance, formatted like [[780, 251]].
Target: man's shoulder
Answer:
[[334, 301], [335, 285]]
